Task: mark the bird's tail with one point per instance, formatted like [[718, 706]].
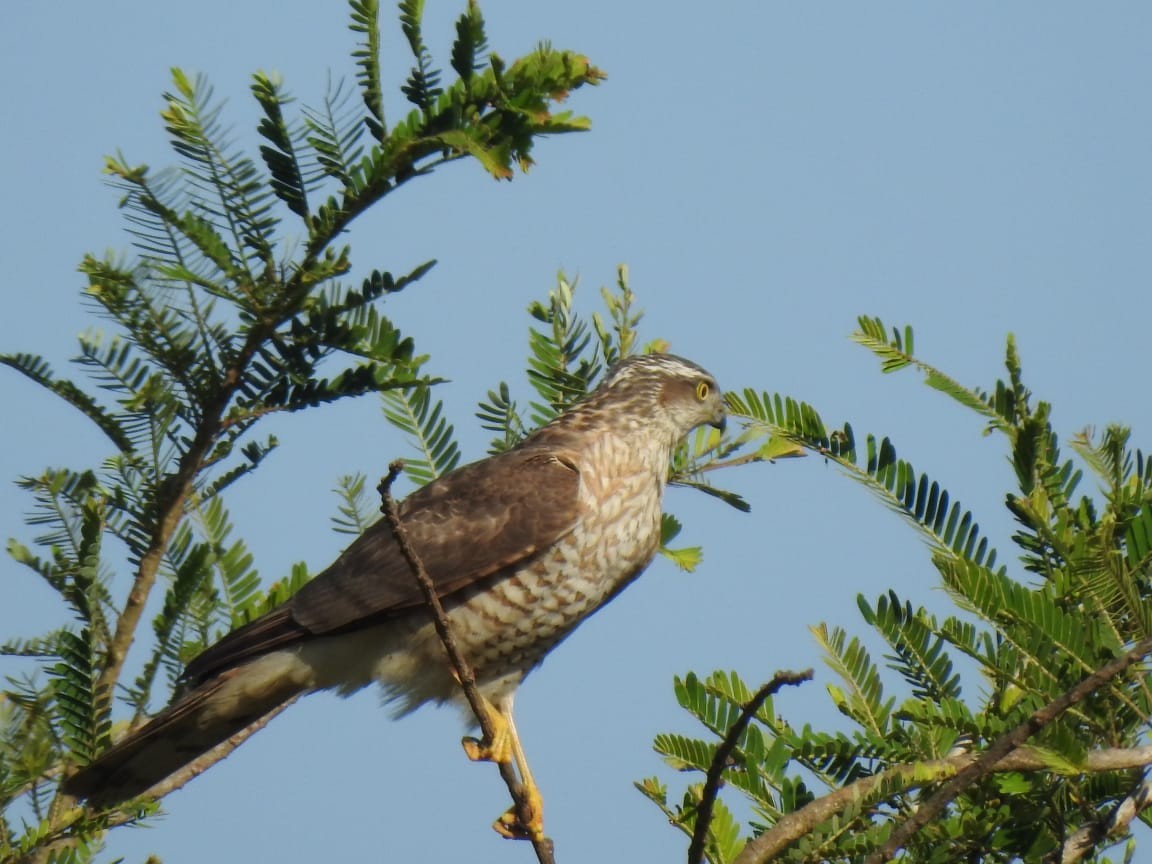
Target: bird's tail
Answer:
[[194, 724]]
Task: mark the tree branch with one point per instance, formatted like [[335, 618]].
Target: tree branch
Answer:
[[1004, 745], [903, 778], [543, 846], [724, 751], [1080, 844], [173, 493]]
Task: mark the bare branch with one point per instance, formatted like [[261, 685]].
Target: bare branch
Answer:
[[724, 752], [460, 667], [903, 778]]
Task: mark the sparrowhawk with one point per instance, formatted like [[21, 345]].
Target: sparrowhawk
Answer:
[[521, 547]]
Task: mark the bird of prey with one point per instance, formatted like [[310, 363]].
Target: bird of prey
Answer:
[[521, 547]]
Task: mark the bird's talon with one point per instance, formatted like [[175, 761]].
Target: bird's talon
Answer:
[[499, 748], [511, 826], [498, 751], [476, 750]]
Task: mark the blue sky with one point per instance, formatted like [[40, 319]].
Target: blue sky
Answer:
[[768, 171]]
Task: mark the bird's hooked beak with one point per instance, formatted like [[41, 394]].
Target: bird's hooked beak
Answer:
[[719, 416]]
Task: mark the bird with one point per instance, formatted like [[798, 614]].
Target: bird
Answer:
[[521, 547]]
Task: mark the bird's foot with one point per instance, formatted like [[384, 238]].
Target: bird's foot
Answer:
[[485, 751], [525, 819], [499, 748], [513, 826]]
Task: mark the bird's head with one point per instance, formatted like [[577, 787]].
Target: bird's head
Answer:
[[684, 393]]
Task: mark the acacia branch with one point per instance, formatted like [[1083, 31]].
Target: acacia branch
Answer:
[[459, 664], [172, 495], [1004, 745], [904, 778], [724, 752]]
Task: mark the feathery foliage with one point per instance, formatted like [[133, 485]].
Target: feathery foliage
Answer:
[[1075, 597], [237, 303]]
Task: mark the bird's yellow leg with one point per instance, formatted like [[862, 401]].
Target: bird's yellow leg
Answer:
[[499, 749], [503, 748], [511, 824]]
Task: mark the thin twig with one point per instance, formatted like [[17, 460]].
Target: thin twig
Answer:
[[904, 778], [1002, 746], [217, 754], [460, 667], [64, 805], [724, 751]]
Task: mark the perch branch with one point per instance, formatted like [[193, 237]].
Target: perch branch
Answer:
[[460, 667]]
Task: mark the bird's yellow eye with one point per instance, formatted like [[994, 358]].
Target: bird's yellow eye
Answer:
[[702, 390]]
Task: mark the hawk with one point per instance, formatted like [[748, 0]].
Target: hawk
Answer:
[[521, 547]]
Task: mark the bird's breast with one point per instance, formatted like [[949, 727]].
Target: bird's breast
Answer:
[[505, 625], [515, 620]]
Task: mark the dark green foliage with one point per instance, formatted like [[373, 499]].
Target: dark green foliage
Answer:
[[423, 85], [1076, 597], [281, 158], [366, 21], [237, 304], [470, 46]]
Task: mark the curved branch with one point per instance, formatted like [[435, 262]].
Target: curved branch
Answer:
[[724, 752]]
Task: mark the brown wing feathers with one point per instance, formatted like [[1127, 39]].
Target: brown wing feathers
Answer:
[[465, 526]]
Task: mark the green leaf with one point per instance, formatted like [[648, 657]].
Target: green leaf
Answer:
[[618, 341], [896, 352], [920, 655], [192, 568], [82, 712], [471, 44], [864, 702], [413, 412], [561, 367], [334, 133], [356, 512], [423, 85], [366, 21], [226, 180], [499, 414], [281, 157], [37, 369], [237, 578]]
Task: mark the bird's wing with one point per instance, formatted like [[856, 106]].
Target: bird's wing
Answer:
[[464, 526]]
